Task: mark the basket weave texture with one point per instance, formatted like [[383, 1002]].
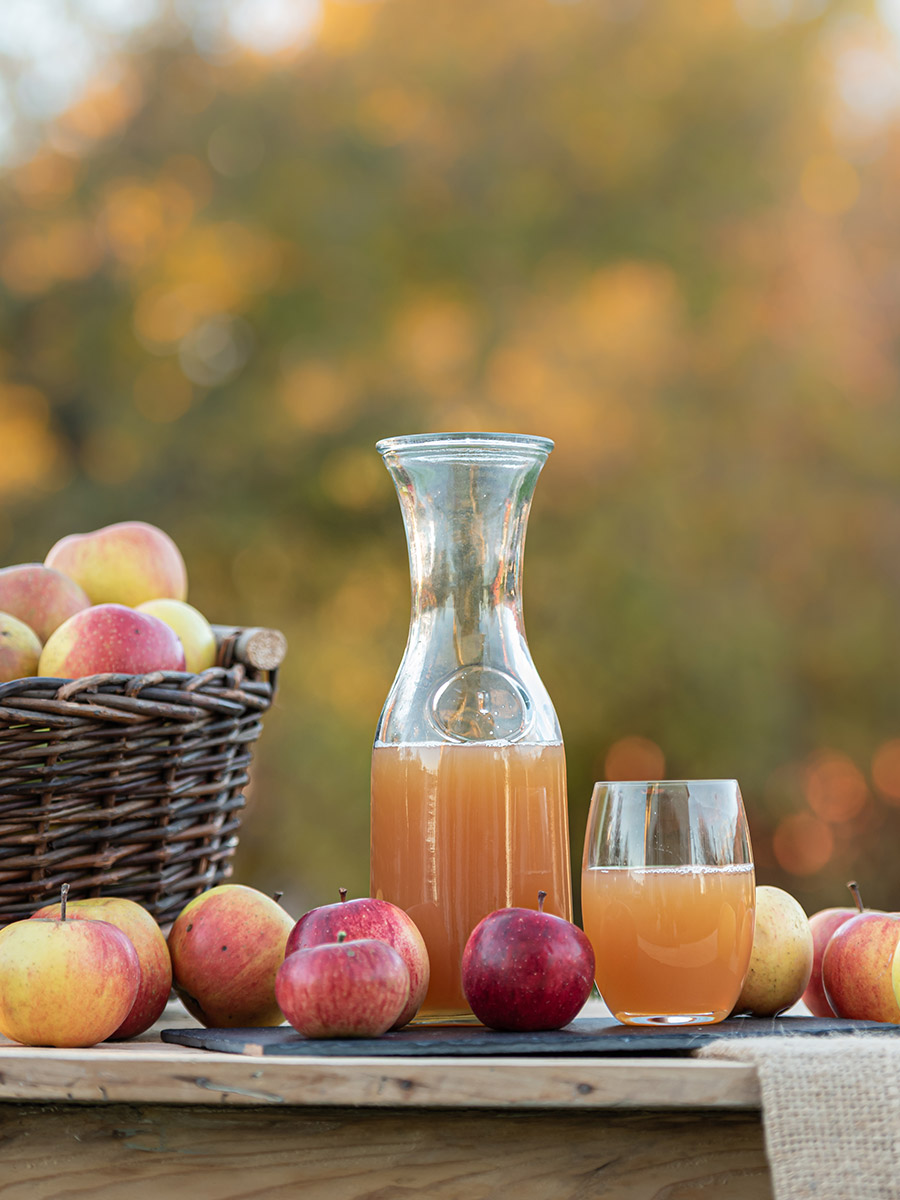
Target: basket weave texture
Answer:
[[130, 785]]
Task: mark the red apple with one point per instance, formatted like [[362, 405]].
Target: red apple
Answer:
[[39, 596], [856, 967], [148, 940], [822, 925], [227, 945], [20, 649], [65, 983], [525, 970], [366, 917], [347, 988], [125, 563], [111, 637]]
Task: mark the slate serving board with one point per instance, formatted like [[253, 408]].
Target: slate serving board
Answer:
[[585, 1035]]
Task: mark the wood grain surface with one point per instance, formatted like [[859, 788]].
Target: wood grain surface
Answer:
[[149, 1151], [150, 1072]]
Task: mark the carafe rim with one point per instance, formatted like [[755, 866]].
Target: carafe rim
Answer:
[[478, 440]]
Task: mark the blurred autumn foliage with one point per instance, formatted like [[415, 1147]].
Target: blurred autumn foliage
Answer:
[[655, 233]]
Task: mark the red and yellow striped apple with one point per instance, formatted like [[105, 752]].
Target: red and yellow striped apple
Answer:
[[226, 946], [40, 596], [125, 563], [65, 983], [111, 637], [149, 942]]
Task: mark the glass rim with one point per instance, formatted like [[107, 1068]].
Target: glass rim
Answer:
[[483, 441], [645, 783]]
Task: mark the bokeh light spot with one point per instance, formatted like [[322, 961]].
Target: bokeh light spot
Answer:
[[634, 757], [802, 844], [886, 770], [316, 397], [829, 184], [353, 478], [835, 787]]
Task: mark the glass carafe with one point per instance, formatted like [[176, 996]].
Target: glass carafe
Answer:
[[468, 771]]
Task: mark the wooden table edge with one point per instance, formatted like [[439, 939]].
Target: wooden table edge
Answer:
[[151, 1072]]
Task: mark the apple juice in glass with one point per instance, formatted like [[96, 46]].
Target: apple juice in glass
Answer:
[[668, 899], [468, 768]]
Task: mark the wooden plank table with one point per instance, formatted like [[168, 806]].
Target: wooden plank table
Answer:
[[148, 1120]]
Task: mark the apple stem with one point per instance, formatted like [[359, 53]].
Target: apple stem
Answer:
[[343, 892], [342, 936], [276, 896], [854, 888], [542, 896], [63, 893]]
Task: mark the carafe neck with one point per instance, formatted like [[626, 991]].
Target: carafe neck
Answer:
[[467, 674], [465, 500]]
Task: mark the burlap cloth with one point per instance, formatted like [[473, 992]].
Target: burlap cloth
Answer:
[[830, 1112]]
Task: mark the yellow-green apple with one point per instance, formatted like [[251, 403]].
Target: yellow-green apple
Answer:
[[149, 942], [111, 637], [125, 563], [65, 983], [857, 967], [366, 917], [20, 649], [524, 969], [347, 988], [782, 956], [194, 631], [39, 596], [226, 946]]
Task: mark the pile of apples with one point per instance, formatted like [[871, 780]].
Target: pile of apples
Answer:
[[359, 968], [841, 962], [86, 971], [110, 600]]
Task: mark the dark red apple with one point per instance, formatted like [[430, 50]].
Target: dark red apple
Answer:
[[856, 967], [345, 988], [366, 917], [524, 969]]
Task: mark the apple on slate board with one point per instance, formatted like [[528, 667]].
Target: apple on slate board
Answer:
[[343, 988], [369, 917], [524, 969]]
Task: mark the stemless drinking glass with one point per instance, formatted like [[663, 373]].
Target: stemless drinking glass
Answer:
[[668, 899]]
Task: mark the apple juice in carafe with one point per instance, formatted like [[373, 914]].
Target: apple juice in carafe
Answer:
[[468, 770]]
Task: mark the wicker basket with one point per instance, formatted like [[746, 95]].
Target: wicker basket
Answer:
[[130, 785]]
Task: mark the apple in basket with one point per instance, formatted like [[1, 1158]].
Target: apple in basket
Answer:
[[125, 563], [149, 942], [39, 596], [524, 969], [194, 631], [20, 648], [111, 637], [345, 988], [226, 946], [369, 917], [64, 982]]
